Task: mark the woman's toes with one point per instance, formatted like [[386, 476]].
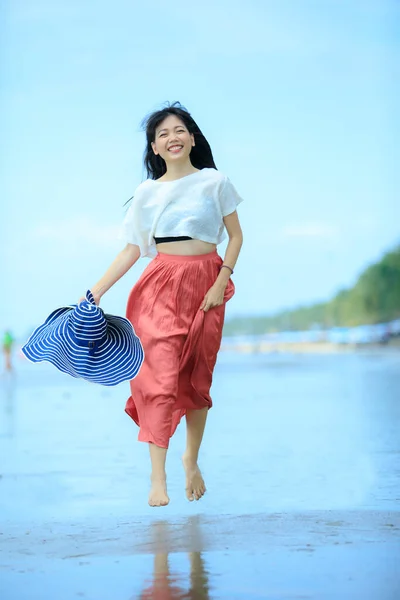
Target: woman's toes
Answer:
[[158, 493], [195, 486]]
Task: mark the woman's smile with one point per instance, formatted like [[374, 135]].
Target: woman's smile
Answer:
[[175, 149]]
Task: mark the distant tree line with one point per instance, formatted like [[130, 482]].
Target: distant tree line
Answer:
[[375, 298]]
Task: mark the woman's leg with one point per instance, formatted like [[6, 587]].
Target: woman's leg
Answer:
[[195, 424], [158, 494]]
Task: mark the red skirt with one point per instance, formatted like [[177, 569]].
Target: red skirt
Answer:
[[180, 341]]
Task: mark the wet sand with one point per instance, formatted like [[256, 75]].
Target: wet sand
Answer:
[[305, 506], [316, 554]]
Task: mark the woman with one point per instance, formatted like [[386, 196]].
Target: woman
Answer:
[[177, 216]]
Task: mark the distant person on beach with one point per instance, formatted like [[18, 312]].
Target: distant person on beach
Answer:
[[177, 217], [8, 342]]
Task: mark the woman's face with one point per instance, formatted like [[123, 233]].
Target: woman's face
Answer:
[[173, 142]]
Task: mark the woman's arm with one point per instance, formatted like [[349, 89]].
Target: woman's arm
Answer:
[[233, 248], [120, 265], [215, 295]]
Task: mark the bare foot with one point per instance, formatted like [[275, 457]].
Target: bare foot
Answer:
[[195, 486], [158, 494]]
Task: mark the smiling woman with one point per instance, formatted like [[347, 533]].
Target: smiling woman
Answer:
[[178, 216], [182, 141], [171, 127]]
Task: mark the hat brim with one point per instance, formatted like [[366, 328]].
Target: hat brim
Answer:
[[118, 358]]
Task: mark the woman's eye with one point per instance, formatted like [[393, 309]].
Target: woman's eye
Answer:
[[178, 131]]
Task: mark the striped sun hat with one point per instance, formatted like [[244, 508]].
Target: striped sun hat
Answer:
[[82, 341]]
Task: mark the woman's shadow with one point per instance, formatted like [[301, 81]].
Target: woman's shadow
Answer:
[[165, 585]]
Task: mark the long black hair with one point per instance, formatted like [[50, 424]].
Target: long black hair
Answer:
[[200, 156]]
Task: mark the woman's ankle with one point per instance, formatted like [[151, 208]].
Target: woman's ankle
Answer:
[[158, 477], [190, 457]]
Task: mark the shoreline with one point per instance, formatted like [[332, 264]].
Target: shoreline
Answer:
[[263, 347]]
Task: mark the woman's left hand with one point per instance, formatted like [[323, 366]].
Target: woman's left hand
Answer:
[[214, 297]]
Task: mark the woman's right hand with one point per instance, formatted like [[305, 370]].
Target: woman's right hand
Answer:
[[95, 296]]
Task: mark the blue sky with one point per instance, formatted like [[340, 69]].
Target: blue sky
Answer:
[[298, 102]]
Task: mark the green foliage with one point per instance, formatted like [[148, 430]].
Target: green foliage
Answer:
[[375, 298]]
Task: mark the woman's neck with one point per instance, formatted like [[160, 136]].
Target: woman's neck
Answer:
[[176, 171]]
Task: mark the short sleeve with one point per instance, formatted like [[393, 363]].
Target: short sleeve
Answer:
[[127, 231], [134, 230], [229, 197]]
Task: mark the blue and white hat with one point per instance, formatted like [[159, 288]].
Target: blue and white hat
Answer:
[[82, 341]]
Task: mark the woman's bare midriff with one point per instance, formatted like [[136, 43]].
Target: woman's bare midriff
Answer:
[[186, 247]]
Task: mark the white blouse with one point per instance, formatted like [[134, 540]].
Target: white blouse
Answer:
[[192, 206]]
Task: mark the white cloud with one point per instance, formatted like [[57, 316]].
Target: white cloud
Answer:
[[56, 243], [76, 231], [309, 230]]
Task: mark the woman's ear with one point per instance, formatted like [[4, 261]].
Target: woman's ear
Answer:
[[154, 148], [192, 136]]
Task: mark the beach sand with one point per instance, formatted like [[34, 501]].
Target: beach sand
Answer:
[[303, 488]]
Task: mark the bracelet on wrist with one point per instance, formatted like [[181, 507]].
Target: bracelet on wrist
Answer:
[[226, 267]]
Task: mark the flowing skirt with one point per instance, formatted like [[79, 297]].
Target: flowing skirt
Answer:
[[180, 341]]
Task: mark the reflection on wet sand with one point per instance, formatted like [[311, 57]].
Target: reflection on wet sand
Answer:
[[166, 585], [7, 407]]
